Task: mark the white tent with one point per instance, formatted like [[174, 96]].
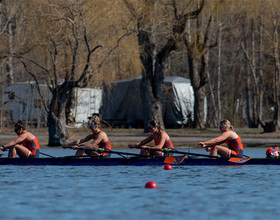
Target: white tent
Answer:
[[21, 101], [122, 102]]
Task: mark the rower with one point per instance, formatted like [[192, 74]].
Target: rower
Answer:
[[161, 139], [25, 145], [228, 136], [272, 152], [99, 138]]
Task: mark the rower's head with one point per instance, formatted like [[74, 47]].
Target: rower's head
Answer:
[[95, 123], [225, 125], [272, 152], [19, 127], [154, 126]]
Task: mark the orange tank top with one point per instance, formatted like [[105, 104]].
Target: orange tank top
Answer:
[[32, 145], [235, 145], [168, 144], [106, 145]]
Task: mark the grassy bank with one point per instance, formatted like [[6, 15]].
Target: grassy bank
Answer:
[[249, 132], [134, 135]]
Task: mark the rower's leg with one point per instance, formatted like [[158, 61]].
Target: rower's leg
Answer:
[[144, 151], [12, 152], [22, 151], [80, 152], [218, 149], [91, 153]]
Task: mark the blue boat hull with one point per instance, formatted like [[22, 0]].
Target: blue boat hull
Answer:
[[129, 162]]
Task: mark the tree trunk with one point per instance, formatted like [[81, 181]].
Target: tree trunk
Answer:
[[58, 132], [276, 79], [151, 91], [10, 69], [147, 72], [198, 81], [273, 125], [145, 102], [261, 68], [152, 77], [219, 113], [211, 105]]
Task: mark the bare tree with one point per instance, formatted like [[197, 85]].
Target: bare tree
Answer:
[[159, 25], [8, 23], [75, 45], [271, 32], [197, 42]]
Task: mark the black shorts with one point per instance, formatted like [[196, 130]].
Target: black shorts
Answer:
[[35, 155]]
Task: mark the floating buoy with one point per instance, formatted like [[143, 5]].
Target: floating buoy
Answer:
[[151, 185], [168, 167]]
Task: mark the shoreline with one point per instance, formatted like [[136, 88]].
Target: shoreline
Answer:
[[123, 141], [185, 137]]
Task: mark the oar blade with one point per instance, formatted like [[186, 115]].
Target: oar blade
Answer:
[[239, 160], [175, 160]]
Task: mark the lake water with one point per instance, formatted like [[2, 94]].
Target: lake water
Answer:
[[190, 192]]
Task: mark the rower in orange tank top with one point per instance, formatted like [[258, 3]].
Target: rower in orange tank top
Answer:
[[25, 145], [228, 136], [160, 137], [99, 138]]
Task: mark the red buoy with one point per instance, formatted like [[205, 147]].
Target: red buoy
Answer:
[[168, 167], [151, 185]]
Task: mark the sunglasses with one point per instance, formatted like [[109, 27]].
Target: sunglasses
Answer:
[[272, 151], [92, 126]]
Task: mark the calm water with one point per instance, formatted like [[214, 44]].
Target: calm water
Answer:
[[54, 192]]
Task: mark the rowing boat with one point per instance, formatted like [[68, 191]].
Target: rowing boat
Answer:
[[131, 161]]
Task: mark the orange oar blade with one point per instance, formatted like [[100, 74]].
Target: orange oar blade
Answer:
[[175, 160], [239, 160]]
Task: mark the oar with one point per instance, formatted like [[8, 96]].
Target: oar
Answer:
[[175, 160], [47, 154], [101, 150], [180, 159], [167, 151]]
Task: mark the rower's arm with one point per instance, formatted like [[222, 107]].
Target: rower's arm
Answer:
[[145, 141], [100, 137], [87, 138], [218, 140], [162, 139], [80, 141], [18, 140]]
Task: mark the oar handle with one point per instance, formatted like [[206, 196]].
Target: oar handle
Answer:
[[66, 147], [164, 150], [99, 150], [77, 148]]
